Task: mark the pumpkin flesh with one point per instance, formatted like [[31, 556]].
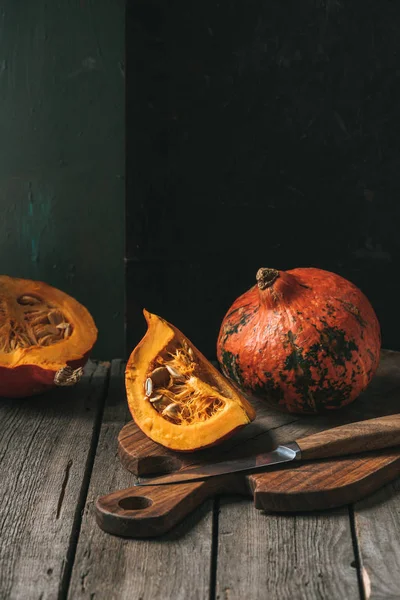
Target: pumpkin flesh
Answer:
[[193, 408], [42, 331]]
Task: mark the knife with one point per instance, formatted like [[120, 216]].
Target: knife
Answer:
[[362, 436]]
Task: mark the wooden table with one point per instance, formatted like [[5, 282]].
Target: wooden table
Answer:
[[58, 453]]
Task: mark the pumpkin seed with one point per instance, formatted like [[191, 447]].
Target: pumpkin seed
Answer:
[[28, 300], [56, 317], [68, 376], [160, 377], [41, 319], [47, 340], [41, 323], [156, 398], [172, 410], [148, 387], [187, 349], [42, 330], [31, 336], [174, 372], [161, 403], [24, 341]]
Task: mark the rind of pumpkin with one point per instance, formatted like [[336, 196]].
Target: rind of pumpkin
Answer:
[[237, 412], [24, 380], [73, 351], [29, 380], [310, 342]]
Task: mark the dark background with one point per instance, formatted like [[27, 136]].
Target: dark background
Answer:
[[260, 133]]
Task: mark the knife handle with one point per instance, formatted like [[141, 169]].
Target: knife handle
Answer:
[[362, 436]]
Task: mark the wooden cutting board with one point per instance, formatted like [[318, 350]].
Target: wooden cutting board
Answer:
[[152, 510]]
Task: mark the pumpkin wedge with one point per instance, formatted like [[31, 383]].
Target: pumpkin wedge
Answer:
[[45, 337], [176, 396]]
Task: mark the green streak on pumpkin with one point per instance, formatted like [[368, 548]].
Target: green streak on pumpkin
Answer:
[[333, 342], [326, 393], [332, 395], [303, 285], [231, 328], [235, 310], [269, 389], [353, 310], [230, 366], [330, 309], [301, 364]]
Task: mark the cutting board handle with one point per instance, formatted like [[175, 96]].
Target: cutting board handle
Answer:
[[362, 436], [147, 511]]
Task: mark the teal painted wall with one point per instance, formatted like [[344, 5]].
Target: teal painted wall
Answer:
[[62, 153]]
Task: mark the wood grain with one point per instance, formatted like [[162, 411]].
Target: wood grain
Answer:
[[297, 486], [372, 434], [175, 566], [153, 510], [284, 557], [309, 486], [149, 511], [46, 450], [377, 528], [270, 427], [321, 485]]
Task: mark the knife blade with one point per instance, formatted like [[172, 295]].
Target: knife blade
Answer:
[[281, 454], [352, 438]]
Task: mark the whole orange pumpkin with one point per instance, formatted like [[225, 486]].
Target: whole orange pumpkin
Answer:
[[306, 340]]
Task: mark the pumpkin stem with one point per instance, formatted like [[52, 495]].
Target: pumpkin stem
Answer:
[[266, 277]]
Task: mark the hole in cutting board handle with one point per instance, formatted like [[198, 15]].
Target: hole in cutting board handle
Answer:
[[134, 503]]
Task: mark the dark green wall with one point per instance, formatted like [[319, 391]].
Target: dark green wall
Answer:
[[62, 153]]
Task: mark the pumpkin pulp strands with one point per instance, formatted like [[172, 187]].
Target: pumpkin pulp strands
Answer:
[[31, 322], [186, 398], [191, 406]]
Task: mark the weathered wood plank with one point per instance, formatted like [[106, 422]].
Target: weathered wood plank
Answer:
[[177, 565], [287, 556], [377, 527], [312, 556], [47, 445], [377, 522], [284, 556]]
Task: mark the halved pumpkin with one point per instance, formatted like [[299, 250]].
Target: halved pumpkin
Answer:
[[45, 337], [176, 396]]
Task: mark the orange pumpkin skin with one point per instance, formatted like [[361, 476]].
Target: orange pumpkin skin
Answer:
[[306, 340]]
